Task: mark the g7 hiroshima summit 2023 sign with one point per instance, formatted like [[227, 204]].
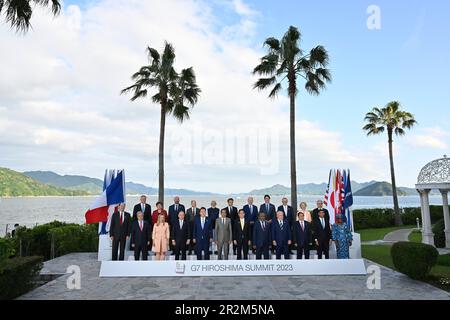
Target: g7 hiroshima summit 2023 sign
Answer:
[[226, 268]]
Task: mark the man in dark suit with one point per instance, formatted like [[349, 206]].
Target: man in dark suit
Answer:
[[281, 235], [250, 210], [302, 236], [261, 237], [213, 214], [174, 209], [315, 212], [145, 208], [322, 235], [180, 236], [268, 209], [202, 236], [232, 213], [241, 235], [287, 211], [191, 214], [141, 234], [119, 231]]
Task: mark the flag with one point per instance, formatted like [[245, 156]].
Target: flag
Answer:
[[109, 175], [325, 201], [348, 199], [331, 203], [113, 195]]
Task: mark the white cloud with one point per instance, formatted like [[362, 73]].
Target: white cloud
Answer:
[[60, 107]]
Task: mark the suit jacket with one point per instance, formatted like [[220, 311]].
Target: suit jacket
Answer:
[[253, 216], [281, 234], [147, 212], [302, 237], [289, 215], [233, 214], [269, 214], [223, 230], [173, 214], [192, 214], [241, 235], [141, 237], [181, 235], [261, 237], [213, 214], [120, 230], [315, 214], [202, 235], [321, 234]]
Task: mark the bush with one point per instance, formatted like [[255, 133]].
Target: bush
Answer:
[[439, 234], [7, 246], [75, 238], [414, 259], [18, 276]]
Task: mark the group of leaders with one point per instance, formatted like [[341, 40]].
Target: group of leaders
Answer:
[[261, 230]]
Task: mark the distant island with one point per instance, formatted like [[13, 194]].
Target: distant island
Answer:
[[48, 183]]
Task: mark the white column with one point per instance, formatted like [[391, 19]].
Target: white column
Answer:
[[446, 217], [427, 234]]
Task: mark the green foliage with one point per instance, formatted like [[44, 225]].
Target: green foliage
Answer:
[[7, 248], [75, 238], [18, 276], [383, 218], [13, 184], [67, 238], [414, 259], [439, 234]]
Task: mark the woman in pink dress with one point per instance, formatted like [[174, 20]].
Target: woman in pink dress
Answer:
[[303, 209], [160, 237]]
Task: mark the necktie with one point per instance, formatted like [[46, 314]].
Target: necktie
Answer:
[[203, 223], [251, 209], [281, 224], [242, 224], [303, 227], [223, 220], [142, 207], [323, 224], [176, 208], [267, 208], [140, 225], [121, 218], [181, 224], [264, 225]]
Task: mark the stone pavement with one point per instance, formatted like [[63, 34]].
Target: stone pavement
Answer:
[[398, 235], [393, 286]]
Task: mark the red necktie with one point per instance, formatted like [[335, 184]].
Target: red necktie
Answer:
[[121, 218]]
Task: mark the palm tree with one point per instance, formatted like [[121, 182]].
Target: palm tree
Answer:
[[18, 12], [394, 120], [286, 61], [175, 92]]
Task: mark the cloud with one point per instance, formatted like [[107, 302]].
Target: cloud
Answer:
[[60, 107], [432, 138]]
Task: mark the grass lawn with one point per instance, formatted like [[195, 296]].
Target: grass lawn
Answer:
[[378, 234], [381, 254], [415, 236]]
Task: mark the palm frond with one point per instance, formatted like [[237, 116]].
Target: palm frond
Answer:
[[272, 43], [274, 92], [263, 83]]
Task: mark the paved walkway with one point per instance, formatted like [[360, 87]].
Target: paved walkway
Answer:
[[398, 235], [394, 285]]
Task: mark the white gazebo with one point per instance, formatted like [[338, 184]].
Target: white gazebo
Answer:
[[434, 176]]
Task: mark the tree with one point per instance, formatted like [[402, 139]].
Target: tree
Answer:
[[18, 12], [175, 92], [286, 61], [393, 120]]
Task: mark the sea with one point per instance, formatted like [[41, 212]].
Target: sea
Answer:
[[32, 211]]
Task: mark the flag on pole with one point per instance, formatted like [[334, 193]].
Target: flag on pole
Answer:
[[348, 199], [332, 197], [325, 201], [113, 195]]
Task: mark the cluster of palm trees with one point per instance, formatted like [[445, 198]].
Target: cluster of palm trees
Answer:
[[284, 64]]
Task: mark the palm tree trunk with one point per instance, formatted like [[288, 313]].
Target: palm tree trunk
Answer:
[[162, 129], [292, 91], [398, 217]]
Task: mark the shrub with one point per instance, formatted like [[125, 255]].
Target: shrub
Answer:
[[75, 238], [373, 218], [439, 234], [414, 259], [7, 246], [18, 276]]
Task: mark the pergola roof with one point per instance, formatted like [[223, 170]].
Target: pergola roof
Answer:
[[435, 175]]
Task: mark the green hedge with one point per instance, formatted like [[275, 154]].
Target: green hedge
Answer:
[[382, 218], [75, 238], [18, 276], [439, 234], [414, 259], [7, 248], [67, 238]]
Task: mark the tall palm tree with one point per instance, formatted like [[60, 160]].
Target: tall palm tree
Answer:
[[285, 60], [18, 12], [175, 92], [393, 120]]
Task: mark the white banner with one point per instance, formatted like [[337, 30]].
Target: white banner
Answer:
[[231, 268]]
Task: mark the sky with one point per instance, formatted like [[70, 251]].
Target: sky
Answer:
[[61, 108]]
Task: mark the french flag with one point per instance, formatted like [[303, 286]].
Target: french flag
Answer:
[[113, 195]]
